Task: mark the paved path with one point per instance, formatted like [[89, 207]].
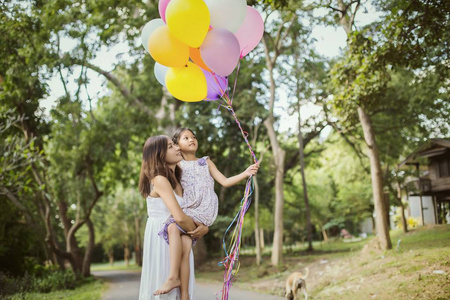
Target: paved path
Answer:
[[124, 285]]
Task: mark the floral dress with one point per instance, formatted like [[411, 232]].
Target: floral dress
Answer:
[[201, 202]]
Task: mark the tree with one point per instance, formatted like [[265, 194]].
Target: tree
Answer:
[[365, 90], [363, 78]]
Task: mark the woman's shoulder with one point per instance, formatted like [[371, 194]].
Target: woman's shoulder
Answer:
[[159, 181]]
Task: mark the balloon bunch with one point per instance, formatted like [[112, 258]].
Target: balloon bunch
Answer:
[[197, 43]]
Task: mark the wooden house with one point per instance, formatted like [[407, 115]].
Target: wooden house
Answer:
[[429, 193]]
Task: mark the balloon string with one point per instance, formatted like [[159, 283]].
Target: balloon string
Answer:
[[235, 81], [244, 133], [231, 261]]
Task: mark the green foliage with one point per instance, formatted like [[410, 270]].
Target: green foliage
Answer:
[[18, 156], [18, 243], [338, 188], [396, 69], [115, 219], [44, 281]]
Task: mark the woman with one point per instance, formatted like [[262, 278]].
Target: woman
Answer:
[[159, 183]]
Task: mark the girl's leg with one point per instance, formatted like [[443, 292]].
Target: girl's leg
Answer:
[[184, 267], [175, 249]]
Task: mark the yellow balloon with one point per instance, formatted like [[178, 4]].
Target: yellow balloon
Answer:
[[188, 21], [187, 83], [166, 49]]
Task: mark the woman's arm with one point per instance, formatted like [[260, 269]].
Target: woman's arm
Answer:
[[227, 182], [164, 190], [200, 231]]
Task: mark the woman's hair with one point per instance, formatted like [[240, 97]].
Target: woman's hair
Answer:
[[154, 164], [177, 135]]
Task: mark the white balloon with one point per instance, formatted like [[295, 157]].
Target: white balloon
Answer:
[[228, 14], [160, 73], [148, 30]]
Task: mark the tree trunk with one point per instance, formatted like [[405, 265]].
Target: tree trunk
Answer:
[[278, 152], [257, 237], [126, 254], [126, 245], [72, 248], [305, 191], [261, 240], [279, 155], [404, 224], [111, 257], [325, 235], [86, 271], [402, 207], [377, 181], [387, 205], [374, 228]]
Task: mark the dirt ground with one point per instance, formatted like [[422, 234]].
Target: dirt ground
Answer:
[[418, 268]]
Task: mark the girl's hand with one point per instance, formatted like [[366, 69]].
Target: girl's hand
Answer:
[[252, 170], [198, 232]]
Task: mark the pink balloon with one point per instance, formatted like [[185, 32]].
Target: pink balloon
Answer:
[[251, 31], [162, 5], [220, 51]]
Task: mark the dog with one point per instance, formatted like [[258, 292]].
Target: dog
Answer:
[[295, 282]]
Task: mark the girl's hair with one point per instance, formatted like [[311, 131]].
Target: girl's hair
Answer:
[[154, 164], [177, 135]]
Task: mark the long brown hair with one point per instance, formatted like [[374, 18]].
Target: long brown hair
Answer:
[[154, 164]]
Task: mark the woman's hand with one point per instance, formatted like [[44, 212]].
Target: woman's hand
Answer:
[[198, 232], [252, 170]]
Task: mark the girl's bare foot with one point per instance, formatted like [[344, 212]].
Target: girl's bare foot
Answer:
[[167, 286]]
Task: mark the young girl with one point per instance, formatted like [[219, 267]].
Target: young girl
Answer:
[[201, 202]]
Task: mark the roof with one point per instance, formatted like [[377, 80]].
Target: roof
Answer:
[[433, 147]]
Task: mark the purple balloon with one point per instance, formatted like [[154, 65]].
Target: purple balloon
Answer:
[[220, 51], [217, 85]]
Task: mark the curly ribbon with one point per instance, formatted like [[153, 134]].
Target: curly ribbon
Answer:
[[231, 260]]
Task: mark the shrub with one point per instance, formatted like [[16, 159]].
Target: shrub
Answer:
[[12, 285], [45, 280], [55, 281], [412, 223]]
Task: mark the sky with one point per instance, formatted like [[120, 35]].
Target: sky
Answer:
[[329, 43]]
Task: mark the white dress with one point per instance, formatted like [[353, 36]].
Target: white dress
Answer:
[[156, 259]]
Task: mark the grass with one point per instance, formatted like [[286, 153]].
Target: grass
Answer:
[[347, 271], [89, 291], [296, 254]]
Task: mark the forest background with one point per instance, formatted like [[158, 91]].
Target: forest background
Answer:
[[69, 173]]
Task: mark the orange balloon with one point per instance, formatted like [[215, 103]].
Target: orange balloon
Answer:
[[196, 57], [166, 49]]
